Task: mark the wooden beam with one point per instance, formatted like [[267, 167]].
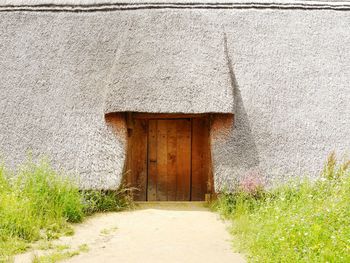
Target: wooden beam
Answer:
[[137, 115]]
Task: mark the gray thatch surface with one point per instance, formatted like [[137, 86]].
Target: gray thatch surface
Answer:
[[174, 64], [290, 70]]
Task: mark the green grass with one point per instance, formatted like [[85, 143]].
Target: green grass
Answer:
[[56, 256], [108, 231], [299, 222], [59, 253], [37, 203], [106, 201]]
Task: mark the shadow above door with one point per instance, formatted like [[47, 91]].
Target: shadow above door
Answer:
[[168, 156]]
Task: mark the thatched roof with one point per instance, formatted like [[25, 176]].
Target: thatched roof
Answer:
[[61, 71]]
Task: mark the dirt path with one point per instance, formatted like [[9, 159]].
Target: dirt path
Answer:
[[163, 233]]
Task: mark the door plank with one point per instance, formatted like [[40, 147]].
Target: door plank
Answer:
[[137, 176], [200, 159], [152, 161], [162, 161], [183, 130], [171, 159]]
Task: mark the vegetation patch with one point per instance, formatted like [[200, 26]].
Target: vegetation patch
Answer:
[[56, 256], [106, 201], [299, 222], [108, 231], [61, 253], [37, 203]]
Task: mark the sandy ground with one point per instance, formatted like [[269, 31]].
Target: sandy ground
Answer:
[[152, 233]]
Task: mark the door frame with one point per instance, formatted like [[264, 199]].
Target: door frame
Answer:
[[130, 121]]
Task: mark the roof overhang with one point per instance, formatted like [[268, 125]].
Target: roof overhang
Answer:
[[171, 63]]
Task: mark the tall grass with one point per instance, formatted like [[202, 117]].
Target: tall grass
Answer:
[[38, 203], [106, 201], [299, 222]]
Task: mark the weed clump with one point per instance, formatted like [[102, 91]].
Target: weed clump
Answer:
[[301, 221], [37, 203], [106, 200]]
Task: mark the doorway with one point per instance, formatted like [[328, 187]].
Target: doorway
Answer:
[[168, 156]]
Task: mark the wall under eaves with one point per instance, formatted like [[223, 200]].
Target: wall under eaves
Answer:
[[284, 73]]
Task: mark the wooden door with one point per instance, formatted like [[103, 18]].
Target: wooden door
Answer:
[[168, 157], [169, 160]]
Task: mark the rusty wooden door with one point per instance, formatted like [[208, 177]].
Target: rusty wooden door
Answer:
[[169, 160]]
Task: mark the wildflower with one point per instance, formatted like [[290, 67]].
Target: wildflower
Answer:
[[252, 183]]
